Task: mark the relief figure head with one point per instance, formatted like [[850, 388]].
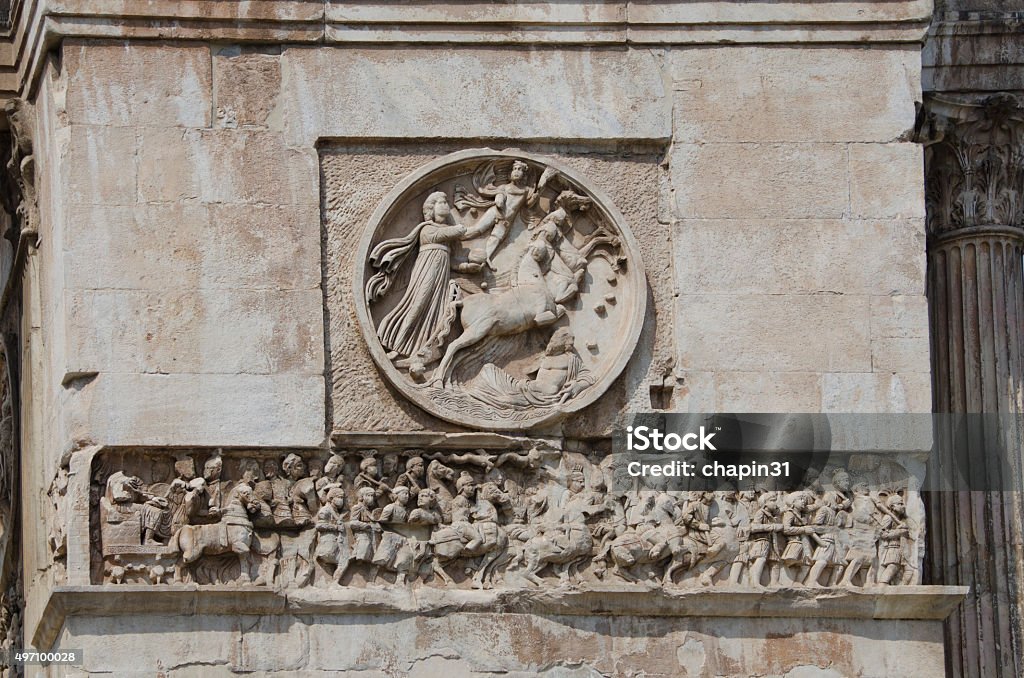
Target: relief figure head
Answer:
[[436, 209]]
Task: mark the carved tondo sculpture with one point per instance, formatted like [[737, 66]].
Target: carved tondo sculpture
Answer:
[[499, 290]]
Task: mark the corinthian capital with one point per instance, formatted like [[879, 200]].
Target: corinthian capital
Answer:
[[974, 163]]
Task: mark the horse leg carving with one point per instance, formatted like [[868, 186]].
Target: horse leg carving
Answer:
[[471, 334], [675, 564], [533, 566], [439, 571]]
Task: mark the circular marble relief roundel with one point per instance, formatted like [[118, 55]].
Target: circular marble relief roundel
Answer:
[[499, 290]]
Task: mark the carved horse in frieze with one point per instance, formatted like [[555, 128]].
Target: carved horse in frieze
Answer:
[[567, 553], [439, 479], [232, 534], [450, 542], [631, 549]]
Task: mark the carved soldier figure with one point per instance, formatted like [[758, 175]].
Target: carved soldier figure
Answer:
[[746, 501], [331, 477], [304, 502], [427, 512], [462, 508], [276, 491], [397, 511], [797, 531], [215, 486], [365, 530], [198, 508], [332, 543], [368, 476], [696, 517], [763, 528], [611, 527], [175, 516], [575, 507], [413, 478], [485, 516], [827, 519], [894, 530], [860, 536]]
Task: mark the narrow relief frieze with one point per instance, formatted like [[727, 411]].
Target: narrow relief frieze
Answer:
[[483, 518]]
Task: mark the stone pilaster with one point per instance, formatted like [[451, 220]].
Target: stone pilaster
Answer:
[[975, 193]]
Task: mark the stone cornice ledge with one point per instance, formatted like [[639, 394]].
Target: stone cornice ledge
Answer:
[[40, 25], [895, 602]]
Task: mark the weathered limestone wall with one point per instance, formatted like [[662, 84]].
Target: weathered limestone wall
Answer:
[[188, 254], [505, 645]]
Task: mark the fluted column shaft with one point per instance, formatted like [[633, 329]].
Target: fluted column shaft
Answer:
[[975, 182]]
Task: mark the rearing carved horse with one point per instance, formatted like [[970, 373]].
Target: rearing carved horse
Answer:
[[527, 304]]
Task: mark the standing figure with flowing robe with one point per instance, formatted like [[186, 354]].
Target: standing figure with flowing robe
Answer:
[[417, 326]]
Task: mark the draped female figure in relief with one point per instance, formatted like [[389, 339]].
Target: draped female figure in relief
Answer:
[[416, 326]]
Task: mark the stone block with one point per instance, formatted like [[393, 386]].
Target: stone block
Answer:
[[767, 392], [762, 94], [781, 333], [899, 316], [167, 166], [216, 331], [760, 181], [247, 87], [900, 354], [530, 12], [102, 166], [197, 409], [777, 12], [696, 393], [869, 392], [779, 256], [193, 246], [119, 646], [225, 166], [155, 85], [477, 93], [270, 644], [886, 181]]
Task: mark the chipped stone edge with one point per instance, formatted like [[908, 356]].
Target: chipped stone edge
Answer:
[[882, 603]]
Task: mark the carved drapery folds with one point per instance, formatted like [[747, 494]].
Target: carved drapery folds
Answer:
[[975, 189], [486, 518], [498, 290]]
